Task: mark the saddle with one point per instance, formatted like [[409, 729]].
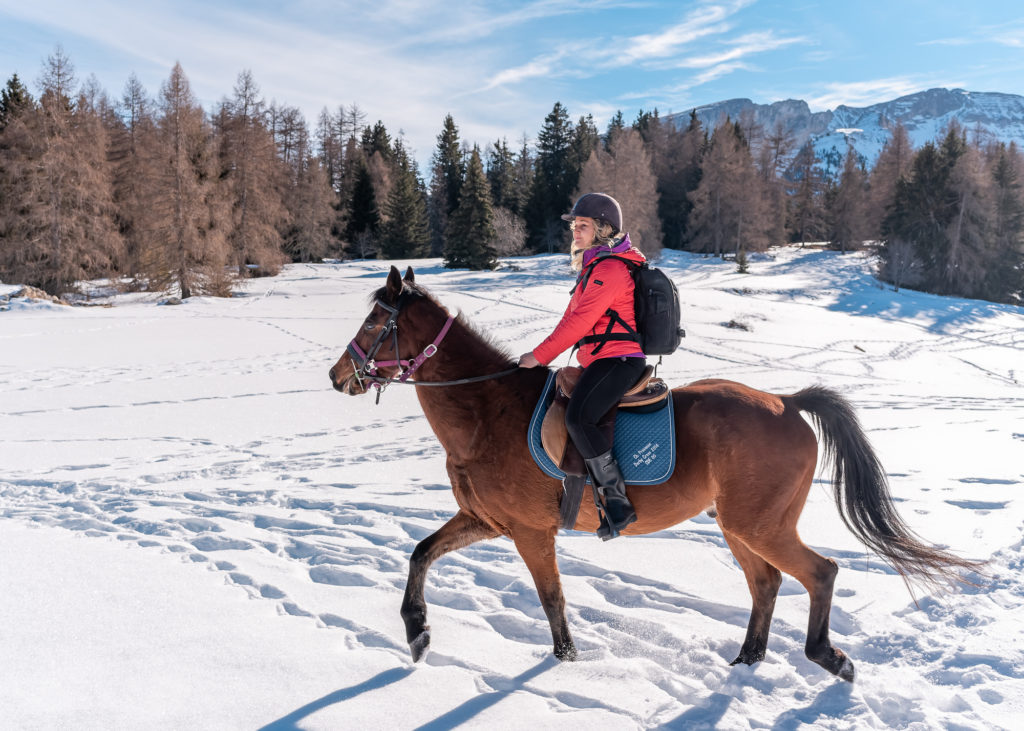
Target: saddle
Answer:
[[646, 392]]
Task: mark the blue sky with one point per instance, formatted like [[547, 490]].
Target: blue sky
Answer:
[[499, 67]]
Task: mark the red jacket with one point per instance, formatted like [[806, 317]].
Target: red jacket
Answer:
[[610, 287]]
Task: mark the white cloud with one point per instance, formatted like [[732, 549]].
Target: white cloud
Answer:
[[739, 48], [865, 93]]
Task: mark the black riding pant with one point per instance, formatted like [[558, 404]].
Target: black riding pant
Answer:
[[600, 387]]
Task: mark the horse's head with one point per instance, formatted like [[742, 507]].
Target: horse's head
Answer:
[[375, 349]]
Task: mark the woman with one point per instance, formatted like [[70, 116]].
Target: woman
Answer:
[[600, 320]]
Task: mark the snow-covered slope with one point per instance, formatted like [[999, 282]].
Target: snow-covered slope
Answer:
[[926, 115], [197, 532]]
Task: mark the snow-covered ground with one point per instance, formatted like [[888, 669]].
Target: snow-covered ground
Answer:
[[197, 532]]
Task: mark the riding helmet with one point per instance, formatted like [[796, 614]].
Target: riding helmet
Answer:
[[600, 207]]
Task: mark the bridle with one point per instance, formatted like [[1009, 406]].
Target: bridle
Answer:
[[367, 365]]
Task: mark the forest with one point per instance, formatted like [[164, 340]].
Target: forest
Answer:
[[158, 194]]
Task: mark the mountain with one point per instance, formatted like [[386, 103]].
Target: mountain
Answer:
[[925, 115]]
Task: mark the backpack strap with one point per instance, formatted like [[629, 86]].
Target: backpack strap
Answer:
[[614, 316]]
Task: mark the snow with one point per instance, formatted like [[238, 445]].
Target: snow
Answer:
[[197, 532]]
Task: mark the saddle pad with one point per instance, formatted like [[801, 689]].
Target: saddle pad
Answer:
[[644, 447]]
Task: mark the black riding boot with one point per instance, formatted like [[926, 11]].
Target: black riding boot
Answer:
[[618, 511]]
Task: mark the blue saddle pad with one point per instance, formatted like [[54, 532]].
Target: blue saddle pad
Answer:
[[644, 446]]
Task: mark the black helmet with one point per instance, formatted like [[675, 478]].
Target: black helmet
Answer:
[[600, 207]]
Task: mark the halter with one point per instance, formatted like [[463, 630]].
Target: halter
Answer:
[[366, 365]]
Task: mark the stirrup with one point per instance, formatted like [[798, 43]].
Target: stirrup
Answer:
[[606, 531]]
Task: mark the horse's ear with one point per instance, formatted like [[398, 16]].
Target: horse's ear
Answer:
[[410, 277], [394, 285]]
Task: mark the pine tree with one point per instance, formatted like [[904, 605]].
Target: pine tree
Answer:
[[364, 215], [675, 156], [449, 163], [893, 164], [405, 232], [471, 235], [447, 171], [968, 256], [1004, 281], [806, 197], [501, 170], [14, 99], [775, 150], [553, 182], [615, 125], [847, 206]]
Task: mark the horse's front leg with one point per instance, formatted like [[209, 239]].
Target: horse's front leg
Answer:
[[459, 532], [537, 547]]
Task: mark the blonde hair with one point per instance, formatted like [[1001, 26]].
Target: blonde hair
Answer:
[[604, 235]]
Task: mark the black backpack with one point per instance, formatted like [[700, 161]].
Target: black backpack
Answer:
[[655, 309]]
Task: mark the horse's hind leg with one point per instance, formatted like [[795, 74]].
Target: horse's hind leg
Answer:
[[763, 580], [537, 547], [818, 574], [459, 532]]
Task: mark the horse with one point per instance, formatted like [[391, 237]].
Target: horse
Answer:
[[745, 456]]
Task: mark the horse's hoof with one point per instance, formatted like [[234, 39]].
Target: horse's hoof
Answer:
[[566, 653], [748, 658], [846, 670], [419, 646]]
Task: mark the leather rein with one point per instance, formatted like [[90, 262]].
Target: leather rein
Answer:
[[367, 365]]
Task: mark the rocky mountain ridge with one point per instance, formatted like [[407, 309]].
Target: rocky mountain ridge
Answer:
[[926, 115]]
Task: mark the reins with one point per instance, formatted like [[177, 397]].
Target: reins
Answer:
[[366, 369]]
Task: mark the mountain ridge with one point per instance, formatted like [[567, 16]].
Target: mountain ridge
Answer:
[[999, 116]]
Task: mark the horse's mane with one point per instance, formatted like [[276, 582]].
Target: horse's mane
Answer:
[[495, 352]]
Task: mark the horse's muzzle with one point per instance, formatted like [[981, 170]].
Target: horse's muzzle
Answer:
[[350, 385]]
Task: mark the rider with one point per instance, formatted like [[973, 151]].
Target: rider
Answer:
[[601, 302]]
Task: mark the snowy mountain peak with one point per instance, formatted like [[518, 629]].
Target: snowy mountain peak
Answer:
[[926, 114]]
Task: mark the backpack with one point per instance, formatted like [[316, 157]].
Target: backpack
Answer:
[[655, 310]]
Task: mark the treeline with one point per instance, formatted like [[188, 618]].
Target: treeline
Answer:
[[166, 196]]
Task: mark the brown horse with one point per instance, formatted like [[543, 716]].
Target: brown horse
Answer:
[[747, 453]]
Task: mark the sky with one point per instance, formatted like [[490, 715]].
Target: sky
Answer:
[[498, 67]]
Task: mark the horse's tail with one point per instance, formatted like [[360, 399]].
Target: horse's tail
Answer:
[[861, 492]]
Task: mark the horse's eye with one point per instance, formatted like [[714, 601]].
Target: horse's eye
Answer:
[[369, 326]]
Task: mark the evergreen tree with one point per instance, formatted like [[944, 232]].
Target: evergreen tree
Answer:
[[406, 231], [775, 150], [376, 140], [847, 205], [447, 172], [471, 236], [968, 255], [1004, 280], [676, 160], [893, 163], [806, 198], [364, 214], [501, 170], [553, 182], [615, 125], [449, 163], [14, 99], [585, 140]]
